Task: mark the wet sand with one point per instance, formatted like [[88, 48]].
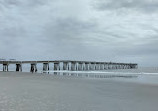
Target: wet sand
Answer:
[[43, 92]]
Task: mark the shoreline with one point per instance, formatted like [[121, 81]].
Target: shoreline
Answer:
[[135, 79]]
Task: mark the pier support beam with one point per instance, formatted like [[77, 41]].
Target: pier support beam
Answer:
[[97, 66], [120, 66], [56, 66], [69, 66], [101, 66], [65, 65], [33, 67], [5, 67], [117, 66], [45, 67], [73, 66], [92, 66], [109, 66], [19, 67], [135, 66], [105, 66], [83, 66], [113, 66], [79, 66], [87, 66]]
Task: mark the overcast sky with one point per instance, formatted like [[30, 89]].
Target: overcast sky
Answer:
[[98, 30]]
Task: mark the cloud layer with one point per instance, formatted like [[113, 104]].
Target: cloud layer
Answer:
[[107, 30], [142, 6]]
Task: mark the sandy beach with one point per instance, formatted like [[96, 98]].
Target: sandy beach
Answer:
[[43, 92]]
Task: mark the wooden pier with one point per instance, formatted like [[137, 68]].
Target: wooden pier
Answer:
[[69, 65]]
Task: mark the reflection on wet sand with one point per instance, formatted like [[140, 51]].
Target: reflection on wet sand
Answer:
[[92, 75]]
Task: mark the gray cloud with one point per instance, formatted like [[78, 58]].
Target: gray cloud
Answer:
[[145, 6], [68, 29], [27, 3], [57, 29]]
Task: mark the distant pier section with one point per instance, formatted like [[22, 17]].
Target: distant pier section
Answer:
[[68, 65]]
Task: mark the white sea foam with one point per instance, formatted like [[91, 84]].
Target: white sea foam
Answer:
[[100, 72]]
